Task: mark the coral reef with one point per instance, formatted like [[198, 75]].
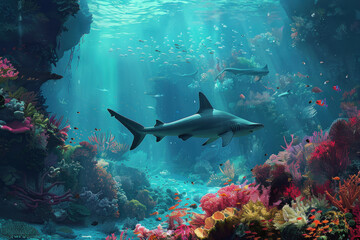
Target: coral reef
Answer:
[[18, 230]]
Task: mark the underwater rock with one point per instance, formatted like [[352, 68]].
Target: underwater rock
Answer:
[[108, 228], [129, 223], [66, 232], [49, 228], [135, 209]]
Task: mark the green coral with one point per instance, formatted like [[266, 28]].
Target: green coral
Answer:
[[77, 212], [136, 209], [37, 118], [18, 230]]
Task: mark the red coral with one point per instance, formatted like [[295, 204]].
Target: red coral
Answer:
[[320, 189], [355, 231], [341, 133], [292, 192], [174, 220], [327, 161]]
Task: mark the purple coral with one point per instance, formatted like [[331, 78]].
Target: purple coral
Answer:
[[32, 198]]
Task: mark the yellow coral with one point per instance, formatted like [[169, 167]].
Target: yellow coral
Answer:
[[256, 211]]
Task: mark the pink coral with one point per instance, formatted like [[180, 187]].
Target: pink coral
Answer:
[[18, 127], [288, 145], [184, 232], [144, 233], [7, 71], [229, 196]]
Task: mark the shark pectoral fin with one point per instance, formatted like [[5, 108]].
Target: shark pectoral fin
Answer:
[[158, 123], [226, 137], [210, 140], [158, 138], [185, 137]]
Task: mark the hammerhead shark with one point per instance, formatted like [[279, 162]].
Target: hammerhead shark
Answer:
[[188, 75], [206, 123], [257, 72]]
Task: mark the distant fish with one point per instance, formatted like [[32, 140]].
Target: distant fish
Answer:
[[336, 88], [193, 206], [94, 223], [102, 89], [316, 90], [285, 94], [242, 96]]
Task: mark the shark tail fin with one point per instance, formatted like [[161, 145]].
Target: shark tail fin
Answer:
[[135, 128]]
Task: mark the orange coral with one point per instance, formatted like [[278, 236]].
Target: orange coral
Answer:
[[348, 193]]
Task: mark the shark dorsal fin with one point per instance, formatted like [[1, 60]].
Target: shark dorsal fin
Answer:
[[158, 123], [266, 67], [204, 103]]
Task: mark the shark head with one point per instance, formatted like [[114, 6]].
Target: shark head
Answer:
[[243, 127]]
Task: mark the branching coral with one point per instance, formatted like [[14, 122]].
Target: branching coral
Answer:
[[327, 161], [42, 195], [229, 196], [347, 195], [228, 170], [7, 70], [107, 146]]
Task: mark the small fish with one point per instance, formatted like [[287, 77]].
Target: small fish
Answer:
[[192, 183], [307, 86], [316, 222], [326, 82], [312, 210], [316, 90], [319, 211], [141, 40], [321, 102], [244, 177], [265, 154], [77, 112], [72, 138], [177, 198], [193, 206], [310, 102], [156, 50], [94, 223], [237, 189], [186, 204], [242, 96], [95, 129], [268, 180], [173, 207], [75, 128], [154, 213], [336, 178], [299, 218], [312, 217], [229, 180], [223, 195], [158, 219], [307, 140], [226, 183], [325, 221], [187, 198], [264, 229], [247, 232], [336, 88], [220, 164], [176, 194]]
